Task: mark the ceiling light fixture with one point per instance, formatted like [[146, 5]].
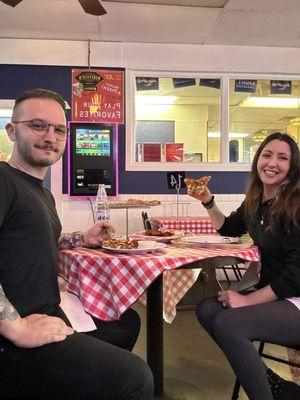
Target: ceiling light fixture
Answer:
[[4, 112], [232, 135], [156, 100], [272, 102]]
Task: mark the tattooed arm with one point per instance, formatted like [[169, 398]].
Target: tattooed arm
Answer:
[[32, 331], [7, 310], [71, 240], [92, 237]]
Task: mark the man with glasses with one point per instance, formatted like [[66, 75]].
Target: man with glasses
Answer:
[[41, 357]]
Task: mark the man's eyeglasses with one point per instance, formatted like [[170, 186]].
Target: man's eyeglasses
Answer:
[[41, 127]]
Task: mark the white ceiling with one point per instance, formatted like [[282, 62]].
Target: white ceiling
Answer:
[[211, 22], [273, 23]]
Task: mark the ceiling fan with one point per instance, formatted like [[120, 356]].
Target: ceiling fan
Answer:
[[90, 6]]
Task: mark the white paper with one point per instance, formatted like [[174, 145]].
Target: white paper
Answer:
[[73, 308]]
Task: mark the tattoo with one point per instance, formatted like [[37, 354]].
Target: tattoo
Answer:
[[7, 310], [71, 240]]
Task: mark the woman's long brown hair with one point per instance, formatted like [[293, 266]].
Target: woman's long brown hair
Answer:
[[286, 205]]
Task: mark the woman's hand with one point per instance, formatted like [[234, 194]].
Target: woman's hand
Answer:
[[205, 196], [97, 233], [232, 299]]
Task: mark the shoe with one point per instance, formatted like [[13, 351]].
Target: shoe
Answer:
[[281, 388]]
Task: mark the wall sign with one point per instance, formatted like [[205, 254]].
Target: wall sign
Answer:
[[176, 180], [245, 85], [280, 87], [97, 95]]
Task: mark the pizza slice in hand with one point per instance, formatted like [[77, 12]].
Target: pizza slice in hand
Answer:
[[196, 186]]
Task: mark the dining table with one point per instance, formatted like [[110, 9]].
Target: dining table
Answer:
[[108, 283], [195, 225]]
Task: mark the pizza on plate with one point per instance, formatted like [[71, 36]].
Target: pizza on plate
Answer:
[[196, 186], [120, 244], [158, 232]]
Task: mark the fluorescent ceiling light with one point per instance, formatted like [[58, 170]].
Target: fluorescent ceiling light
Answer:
[[280, 102], [237, 135], [155, 99], [6, 106], [4, 112], [213, 134], [232, 135]]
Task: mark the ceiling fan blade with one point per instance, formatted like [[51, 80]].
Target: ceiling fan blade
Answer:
[[92, 7], [12, 3]]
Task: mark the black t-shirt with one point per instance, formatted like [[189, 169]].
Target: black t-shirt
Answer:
[[280, 251], [29, 232]]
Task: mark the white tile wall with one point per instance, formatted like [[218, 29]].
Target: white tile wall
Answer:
[[76, 213]]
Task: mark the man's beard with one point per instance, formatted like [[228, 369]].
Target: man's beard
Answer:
[[27, 153]]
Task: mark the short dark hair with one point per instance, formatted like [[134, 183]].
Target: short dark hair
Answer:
[[40, 94]]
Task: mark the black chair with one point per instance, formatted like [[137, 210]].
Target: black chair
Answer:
[[235, 393], [247, 283]]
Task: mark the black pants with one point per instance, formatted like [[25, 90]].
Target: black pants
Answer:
[[235, 329], [122, 333], [81, 367]]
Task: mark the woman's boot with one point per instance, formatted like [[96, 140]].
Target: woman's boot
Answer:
[[282, 389]]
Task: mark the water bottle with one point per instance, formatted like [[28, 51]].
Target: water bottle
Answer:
[[101, 206]]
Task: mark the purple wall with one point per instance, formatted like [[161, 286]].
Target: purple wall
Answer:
[[18, 78]]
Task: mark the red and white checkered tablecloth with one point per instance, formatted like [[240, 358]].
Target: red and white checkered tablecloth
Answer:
[[109, 283], [188, 224]]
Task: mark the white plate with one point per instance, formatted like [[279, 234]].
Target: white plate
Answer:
[[137, 250], [161, 239], [210, 239]]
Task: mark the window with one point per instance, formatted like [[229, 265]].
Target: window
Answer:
[[6, 145], [203, 122], [257, 108]]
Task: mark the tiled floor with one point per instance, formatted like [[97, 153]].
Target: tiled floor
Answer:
[[195, 369]]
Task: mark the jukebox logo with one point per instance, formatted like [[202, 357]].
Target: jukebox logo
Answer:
[[89, 80]]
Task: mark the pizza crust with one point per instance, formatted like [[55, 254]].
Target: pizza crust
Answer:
[[134, 202]]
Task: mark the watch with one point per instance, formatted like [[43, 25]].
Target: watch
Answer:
[[210, 203]]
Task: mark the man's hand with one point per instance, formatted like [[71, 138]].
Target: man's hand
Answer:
[[97, 233], [92, 237], [35, 330]]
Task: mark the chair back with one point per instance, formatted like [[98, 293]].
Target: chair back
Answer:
[[146, 221], [249, 279]]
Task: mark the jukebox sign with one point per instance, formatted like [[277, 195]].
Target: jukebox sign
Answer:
[[98, 95]]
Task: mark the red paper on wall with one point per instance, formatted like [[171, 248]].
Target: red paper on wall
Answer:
[[97, 95], [174, 152], [151, 152]]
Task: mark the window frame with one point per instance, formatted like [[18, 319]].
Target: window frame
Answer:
[[224, 164]]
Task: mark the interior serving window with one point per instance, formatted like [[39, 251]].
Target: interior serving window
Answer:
[[174, 118], [208, 123], [258, 107]]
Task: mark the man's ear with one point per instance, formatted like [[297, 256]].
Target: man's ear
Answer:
[[10, 129]]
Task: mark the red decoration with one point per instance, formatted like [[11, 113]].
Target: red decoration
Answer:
[[97, 95]]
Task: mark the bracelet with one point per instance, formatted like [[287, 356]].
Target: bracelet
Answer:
[[210, 203]]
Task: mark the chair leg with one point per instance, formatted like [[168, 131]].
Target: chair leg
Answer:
[[235, 393], [261, 348]]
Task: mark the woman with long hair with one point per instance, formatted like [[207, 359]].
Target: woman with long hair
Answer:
[[270, 214]]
